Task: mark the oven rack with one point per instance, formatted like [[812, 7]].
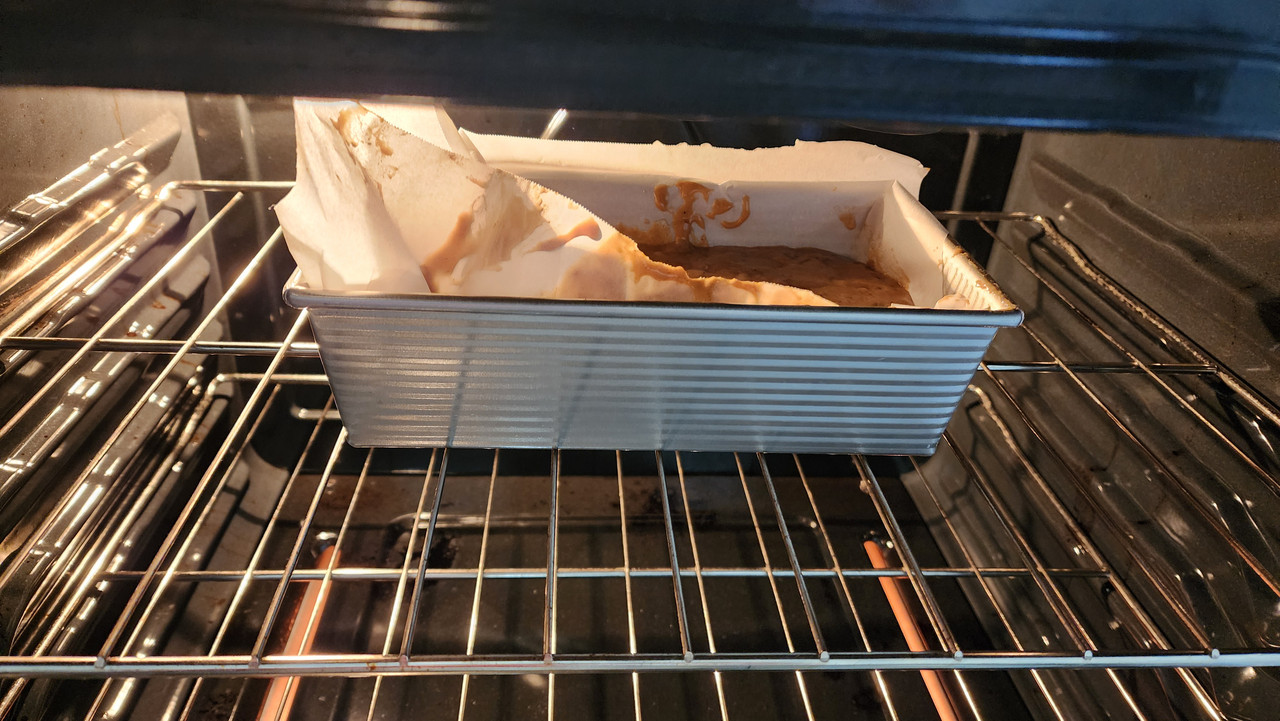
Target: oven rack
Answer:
[[1169, 634]]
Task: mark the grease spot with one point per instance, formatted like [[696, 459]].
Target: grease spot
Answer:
[[742, 218], [452, 250], [343, 125], [588, 228], [720, 207]]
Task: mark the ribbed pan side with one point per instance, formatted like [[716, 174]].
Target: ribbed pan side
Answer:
[[583, 375]]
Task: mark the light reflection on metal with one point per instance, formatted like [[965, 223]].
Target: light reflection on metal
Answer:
[[554, 124]]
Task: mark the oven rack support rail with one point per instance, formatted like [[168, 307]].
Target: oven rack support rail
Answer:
[[807, 651]]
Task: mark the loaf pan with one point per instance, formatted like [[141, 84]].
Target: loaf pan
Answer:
[[434, 370]]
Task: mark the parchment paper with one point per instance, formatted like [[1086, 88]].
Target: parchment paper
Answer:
[[380, 205]]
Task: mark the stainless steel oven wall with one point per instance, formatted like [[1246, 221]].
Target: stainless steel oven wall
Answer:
[[51, 131], [48, 132], [1188, 224], [1185, 231]]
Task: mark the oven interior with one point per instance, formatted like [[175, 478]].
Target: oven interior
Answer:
[[187, 535]]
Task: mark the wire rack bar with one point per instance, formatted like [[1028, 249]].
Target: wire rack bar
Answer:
[[233, 607], [1122, 298], [549, 628], [84, 578], [1153, 631], [162, 347], [1127, 300], [1036, 675], [1079, 535], [402, 579], [871, 486], [702, 587], [121, 656], [677, 587], [126, 310], [632, 647], [777, 597], [882, 686], [424, 558], [357, 573], [361, 665], [801, 586], [1266, 574], [474, 623], [234, 447], [295, 555], [1133, 304], [553, 544], [1068, 618], [314, 618], [1061, 609], [267, 535]]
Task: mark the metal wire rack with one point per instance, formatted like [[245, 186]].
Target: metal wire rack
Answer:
[[666, 576]]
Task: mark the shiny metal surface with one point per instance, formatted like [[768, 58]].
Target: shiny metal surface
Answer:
[[432, 371], [123, 163], [1157, 474], [1200, 254], [91, 380], [70, 508], [176, 261], [421, 371], [55, 307], [466, 565]]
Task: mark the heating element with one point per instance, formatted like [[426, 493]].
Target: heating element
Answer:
[[667, 584]]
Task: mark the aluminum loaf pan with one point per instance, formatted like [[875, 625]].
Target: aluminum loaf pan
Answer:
[[416, 369], [433, 370]]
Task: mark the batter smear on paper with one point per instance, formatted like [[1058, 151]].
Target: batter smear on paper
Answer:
[[682, 242], [376, 208]]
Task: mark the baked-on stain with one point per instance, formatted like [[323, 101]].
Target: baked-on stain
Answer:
[[848, 219], [720, 207], [453, 249], [838, 279], [742, 218], [589, 228], [660, 197], [343, 125], [682, 219], [343, 122]]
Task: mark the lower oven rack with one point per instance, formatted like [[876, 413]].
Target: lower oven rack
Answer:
[[814, 579]]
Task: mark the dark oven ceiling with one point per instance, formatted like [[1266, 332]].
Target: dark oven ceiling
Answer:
[[1190, 68]]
